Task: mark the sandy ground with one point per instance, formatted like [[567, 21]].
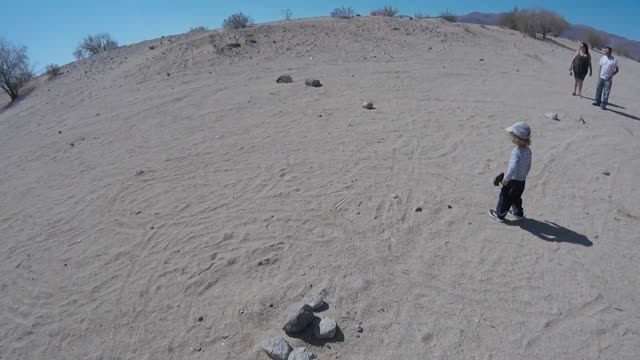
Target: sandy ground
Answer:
[[256, 195]]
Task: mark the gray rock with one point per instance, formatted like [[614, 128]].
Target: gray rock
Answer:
[[313, 82], [552, 116], [284, 79], [325, 328], [297, 317], [368, 105], [317, 303], [276, 348], [302, 354]]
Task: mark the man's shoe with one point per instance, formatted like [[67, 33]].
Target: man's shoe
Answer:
[[494, 215]]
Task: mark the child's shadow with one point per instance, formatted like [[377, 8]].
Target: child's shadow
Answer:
[[550, 231]]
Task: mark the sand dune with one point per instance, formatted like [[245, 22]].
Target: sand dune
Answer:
[[256, 194]]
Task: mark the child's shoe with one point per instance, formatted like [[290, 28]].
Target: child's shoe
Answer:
[[494, 215], [518, 217]]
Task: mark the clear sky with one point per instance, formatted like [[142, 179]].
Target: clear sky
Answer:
[[51, 29]]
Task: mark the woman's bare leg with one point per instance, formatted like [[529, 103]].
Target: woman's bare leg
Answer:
[[580, 87], [575, 86]]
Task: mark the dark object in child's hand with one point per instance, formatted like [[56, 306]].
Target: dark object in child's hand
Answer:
[[498, 179]]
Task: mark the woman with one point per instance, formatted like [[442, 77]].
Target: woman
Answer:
[[579, 66]]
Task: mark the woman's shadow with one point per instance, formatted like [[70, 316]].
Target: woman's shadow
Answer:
[[550, 231]]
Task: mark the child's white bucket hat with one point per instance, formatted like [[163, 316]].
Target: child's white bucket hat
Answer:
[[520, 129]]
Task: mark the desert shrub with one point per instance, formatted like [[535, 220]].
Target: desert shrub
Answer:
[[448, 16], [52, 70], [594, 39], [419, 15], [198, 29], [15, 72], [548, 22], [287, 14], [385, 11], [508, 19], [343, 12], [94, 44], [236, 21], [621, 51], [520, 20], [525, 22]]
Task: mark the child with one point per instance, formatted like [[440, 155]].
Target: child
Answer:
[[514, 179]]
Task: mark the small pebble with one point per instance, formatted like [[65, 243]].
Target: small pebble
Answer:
[[359, 329], [200, 319], [450, 207], [606, 173], [418, 209]]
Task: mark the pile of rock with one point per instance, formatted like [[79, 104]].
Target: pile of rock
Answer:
[[297, 318]]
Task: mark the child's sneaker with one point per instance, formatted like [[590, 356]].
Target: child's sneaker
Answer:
[[518, 217], [494, 215]]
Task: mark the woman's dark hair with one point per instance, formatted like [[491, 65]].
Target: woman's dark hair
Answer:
[[585, 48]]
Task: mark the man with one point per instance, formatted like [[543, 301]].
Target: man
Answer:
[[608, 68]]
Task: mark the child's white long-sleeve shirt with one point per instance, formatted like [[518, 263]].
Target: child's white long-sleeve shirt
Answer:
[[519, 164]]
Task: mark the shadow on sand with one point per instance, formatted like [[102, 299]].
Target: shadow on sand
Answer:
[[308, 337], [609, 104], [550, 231], [628, 116], [22, 96]]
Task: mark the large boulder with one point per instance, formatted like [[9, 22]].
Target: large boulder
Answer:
[[297, 317]]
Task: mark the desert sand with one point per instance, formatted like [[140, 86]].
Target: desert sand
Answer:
[[173, 181]]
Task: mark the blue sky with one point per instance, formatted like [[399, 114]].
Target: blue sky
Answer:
[[51, 29]]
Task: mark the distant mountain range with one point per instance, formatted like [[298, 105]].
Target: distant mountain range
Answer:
[[575, 32]]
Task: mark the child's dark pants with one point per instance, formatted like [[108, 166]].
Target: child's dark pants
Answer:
[[511, 196]]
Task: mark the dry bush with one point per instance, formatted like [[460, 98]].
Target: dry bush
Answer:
[[548, 22], [385, 11], [94, 44], [508, 19], [287, 14], [448, 16], [594, 39], [520, 20], [419, 15], [525, 22], [343, 12], [236, 21], [198, 29], [52, 70], [621, 51], [15, 72]]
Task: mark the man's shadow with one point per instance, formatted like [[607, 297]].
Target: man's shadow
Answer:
[[550, 231], [608, 104]]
